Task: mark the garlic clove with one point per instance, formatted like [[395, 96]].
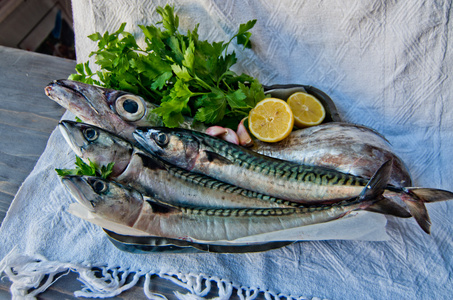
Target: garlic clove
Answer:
[[243, 135], [216, 130], [230, 136], [226, 134]]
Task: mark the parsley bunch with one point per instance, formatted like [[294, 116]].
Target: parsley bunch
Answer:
[[180, 72], [91, 169]]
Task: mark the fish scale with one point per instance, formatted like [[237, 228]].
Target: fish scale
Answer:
[[208, 182], [285, 169], [239, 212], [203, 154], [350, 148], [236, 165]]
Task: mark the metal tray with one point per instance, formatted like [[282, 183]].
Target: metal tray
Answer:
[[146, 244]]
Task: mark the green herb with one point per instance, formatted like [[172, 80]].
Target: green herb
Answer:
[[180, 72], [91, 169]]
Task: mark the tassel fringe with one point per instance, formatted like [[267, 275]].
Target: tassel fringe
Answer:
[[32, 275]]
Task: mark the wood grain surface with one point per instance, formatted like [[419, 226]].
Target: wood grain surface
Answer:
[[27, 115], [27, 118]]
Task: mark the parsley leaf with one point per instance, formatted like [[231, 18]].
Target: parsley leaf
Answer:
[[90, 169], [186, 76]]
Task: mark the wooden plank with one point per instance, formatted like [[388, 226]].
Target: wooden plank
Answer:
[[27, 116]]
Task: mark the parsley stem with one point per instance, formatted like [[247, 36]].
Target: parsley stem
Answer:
[[226, 84], [148, 92], [198, 94], [202, 83]]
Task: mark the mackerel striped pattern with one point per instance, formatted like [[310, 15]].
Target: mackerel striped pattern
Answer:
[[211, 183], [262, 212], [276, 167]]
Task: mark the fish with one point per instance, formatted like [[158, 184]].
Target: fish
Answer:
[[117, 111], [129, 208], [348, 148], [355, 149], [154, 177], [204, 154]]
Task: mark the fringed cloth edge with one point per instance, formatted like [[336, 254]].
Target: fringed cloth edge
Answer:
[[32, 275]]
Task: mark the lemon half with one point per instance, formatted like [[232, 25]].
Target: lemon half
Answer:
[[271, 120], [307, 110]]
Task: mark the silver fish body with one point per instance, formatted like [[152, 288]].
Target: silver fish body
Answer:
[[236, 165], [345, 147], [118, 204], [201, 153], [154, 177]]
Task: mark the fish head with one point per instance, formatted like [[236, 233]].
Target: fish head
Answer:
[[116, 111], [174, 145], [104, 198], [97, 145]]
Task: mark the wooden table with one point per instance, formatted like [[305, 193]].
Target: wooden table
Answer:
[[27, 118], [27, 115]]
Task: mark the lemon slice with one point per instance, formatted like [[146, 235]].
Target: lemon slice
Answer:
[[271, 120], [307, 110]]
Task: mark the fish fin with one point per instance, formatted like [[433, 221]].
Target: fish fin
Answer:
[[214, 157], [420, 213], [416, 199], [159, 207], [378, 182], [387, 206], [374, 190], [428, 195]]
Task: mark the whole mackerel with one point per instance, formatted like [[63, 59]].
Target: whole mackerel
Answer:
[[204, 154], [156, 178], [128, 208]]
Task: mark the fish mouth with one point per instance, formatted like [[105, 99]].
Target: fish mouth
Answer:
[[79, 189], [143, 137], [70, 93], [72, 136]]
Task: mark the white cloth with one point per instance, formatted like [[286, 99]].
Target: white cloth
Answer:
[[384, 63]]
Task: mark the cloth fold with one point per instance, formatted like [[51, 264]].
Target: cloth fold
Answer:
[[385, 65]]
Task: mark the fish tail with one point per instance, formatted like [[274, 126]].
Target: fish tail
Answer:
[[415, 199], [372, 197], [388, 207]]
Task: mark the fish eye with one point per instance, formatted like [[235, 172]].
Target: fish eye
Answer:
[[130, 107], [161, 138], [90, 134], [99, 186]]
